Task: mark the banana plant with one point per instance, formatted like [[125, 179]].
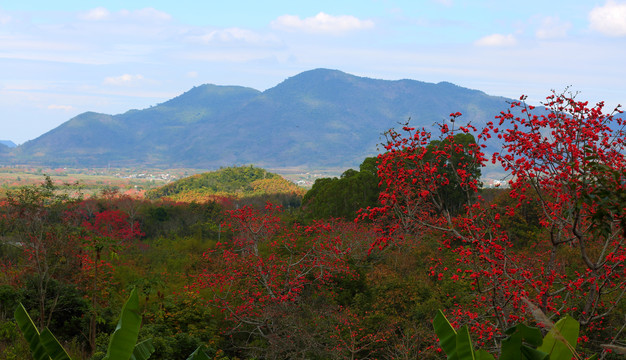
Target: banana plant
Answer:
[[457, 345], [199, 354], [122, 346], [522, 342], [43, 346]]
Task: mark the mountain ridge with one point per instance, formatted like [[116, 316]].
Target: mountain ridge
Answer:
[[8, 143], [319, 117]]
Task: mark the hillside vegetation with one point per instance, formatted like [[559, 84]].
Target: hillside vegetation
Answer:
[[231, 184]]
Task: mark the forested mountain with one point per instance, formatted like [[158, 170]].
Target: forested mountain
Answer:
[[317, 118]]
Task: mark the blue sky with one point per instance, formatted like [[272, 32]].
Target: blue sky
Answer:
[[61, 58]]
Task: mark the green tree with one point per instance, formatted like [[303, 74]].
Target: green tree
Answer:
[[451, 196], [343, 197]]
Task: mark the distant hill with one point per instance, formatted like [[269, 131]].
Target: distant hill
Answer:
[[8, 143], [319, 118], [235, 183]]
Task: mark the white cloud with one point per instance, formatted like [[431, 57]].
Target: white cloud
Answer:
[[234, 35], [552, 28], [496, 40], [147, 13], [10, 44], [61, 107], [230, 55], [122, 36], [322, 23], [192, 74], [96, 14], [101, 13], [609, 19], [123, 80]]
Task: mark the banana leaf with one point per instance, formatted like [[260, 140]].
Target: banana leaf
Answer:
[[52, 345], [561, 340], [30, 332], [446, 334], [143, 350], [199, 354], [464, 348], [521, 344], [125, 336]]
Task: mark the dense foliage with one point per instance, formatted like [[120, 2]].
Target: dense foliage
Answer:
[[233, 185], [343, 197], [258, 280], [227, 180]]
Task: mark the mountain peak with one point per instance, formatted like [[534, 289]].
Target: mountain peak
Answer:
[[315, 75], [320, 72], [211, 93]]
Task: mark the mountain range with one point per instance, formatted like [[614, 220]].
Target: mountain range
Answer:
[[318, 118]]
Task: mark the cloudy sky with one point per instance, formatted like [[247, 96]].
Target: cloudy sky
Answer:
[[61, 58]]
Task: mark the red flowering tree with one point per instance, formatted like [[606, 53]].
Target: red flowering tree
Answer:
[[560, 159], [260, 277], [563, 158], [419, 175], [106, 233], [353, 338]]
